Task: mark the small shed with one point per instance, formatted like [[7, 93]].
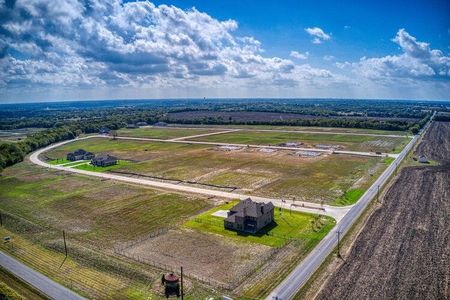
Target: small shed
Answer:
[[423, 159]]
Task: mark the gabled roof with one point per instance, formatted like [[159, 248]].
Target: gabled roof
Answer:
[[250, 208], [79, 152], [106, 157]]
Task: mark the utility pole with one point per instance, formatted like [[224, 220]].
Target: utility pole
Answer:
[[1, 220], [182, 288], [338, 245], [65, 249], [65, 245], [378, 193]]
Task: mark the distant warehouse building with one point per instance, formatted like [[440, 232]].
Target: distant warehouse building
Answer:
[[249, 216], [104, 161], [80, 154]]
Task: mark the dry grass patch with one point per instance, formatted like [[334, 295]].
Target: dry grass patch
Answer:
[[204, 255]]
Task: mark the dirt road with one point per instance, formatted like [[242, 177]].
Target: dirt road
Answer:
[[403, 252]]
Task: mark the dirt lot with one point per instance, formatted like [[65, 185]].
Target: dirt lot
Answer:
[[404, 250], [202, 255]]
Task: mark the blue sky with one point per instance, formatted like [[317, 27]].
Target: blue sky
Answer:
[[88, 49], [279, 24]]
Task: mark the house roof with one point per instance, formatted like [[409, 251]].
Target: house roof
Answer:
[[249, 208], [79, 152], [106, 157]]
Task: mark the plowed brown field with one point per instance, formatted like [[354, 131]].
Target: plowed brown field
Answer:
[[403, 252]]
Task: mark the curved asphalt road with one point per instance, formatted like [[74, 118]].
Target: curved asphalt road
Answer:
[[40, 282], [300, 275]]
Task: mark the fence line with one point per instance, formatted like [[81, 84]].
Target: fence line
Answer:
[[130, 244], [174, 269]]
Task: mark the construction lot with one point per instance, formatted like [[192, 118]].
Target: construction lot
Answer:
[[320, 178], [311, 140], [403, 250], [123, 236]]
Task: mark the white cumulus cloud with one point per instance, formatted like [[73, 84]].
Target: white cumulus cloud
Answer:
[[298, 55], [74, 43], [318, 35], [417, 60]]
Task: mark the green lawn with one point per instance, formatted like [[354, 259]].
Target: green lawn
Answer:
[[287, 225], [89, 167]]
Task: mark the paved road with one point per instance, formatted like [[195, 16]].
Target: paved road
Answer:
[[357, 153], [335, 212], [202, 135], [45, 285], [300, 275]]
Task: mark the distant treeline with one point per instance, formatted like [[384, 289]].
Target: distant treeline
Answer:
[[88, 118], [395, 125], [12, 153]]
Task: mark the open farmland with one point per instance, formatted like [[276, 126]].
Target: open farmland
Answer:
[[16, 135], [163, 133], [403, 250], [248, 170], [106, 220], [341, 141], [98, 216], [86, 208]]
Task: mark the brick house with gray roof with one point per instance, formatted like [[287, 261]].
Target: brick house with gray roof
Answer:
[[249, 216]]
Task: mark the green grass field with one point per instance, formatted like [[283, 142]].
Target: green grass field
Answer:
[[288, 225], [348, 142], [162, 133], [58, 161]]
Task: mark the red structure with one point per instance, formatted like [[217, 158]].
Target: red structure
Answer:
[[171, 283]]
